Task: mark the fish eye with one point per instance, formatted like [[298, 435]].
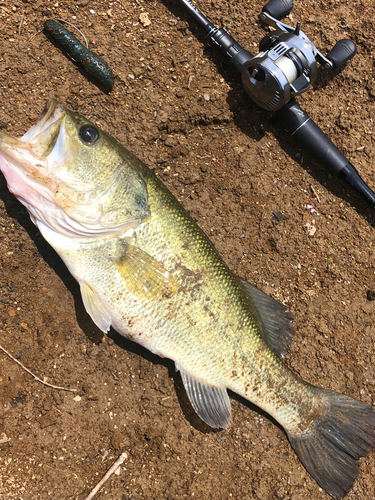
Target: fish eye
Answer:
[[88, 133]]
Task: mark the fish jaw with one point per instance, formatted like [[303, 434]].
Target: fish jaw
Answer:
[[36, 167], [29, 154], [53, 111], [25, 165]]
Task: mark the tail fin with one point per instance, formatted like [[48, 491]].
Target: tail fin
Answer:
[[330, 448]]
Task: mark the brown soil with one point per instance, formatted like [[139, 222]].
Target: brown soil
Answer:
[[247, 184]]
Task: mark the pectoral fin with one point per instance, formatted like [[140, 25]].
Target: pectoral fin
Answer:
[[211, 403], [277, 321], [95, 308], [145, 274]]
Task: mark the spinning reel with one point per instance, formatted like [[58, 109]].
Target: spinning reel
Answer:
[[287, 62]]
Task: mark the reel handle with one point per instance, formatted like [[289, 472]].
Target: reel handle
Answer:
[[278, 8], [342, 52]]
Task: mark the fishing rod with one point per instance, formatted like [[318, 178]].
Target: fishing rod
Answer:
[[286, 66]]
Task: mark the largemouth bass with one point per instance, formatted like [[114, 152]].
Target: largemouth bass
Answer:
[[146, 269]]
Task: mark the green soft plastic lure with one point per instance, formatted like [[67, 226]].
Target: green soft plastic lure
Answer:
[[93, 64]]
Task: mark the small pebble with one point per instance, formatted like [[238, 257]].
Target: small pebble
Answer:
[[310, 229], [144, 19], [277, 216]]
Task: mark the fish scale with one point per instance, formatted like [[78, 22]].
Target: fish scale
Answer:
[[146, 269]]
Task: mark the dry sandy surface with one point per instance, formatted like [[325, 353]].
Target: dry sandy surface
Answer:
[[247, 184]]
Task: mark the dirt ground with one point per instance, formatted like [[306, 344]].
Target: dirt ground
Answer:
[[248, 185]]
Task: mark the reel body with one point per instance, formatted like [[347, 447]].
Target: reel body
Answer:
[[287, 64]]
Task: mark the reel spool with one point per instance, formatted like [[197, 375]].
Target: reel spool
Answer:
[[287, 62]]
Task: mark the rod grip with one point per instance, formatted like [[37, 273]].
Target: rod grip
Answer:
[[232, 51], [301, 126]]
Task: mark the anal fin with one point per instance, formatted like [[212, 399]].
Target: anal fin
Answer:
[[211, 403]]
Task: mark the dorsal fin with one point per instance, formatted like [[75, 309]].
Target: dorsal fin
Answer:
[[277, 321]]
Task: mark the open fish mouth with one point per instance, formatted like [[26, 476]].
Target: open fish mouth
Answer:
[[28, 162], [51, 114], [39, 140]]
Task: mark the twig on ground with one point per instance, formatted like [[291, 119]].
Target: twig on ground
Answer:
[[34, 35], [19, 31], [314, 192], [33, 375], [121, 459]]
